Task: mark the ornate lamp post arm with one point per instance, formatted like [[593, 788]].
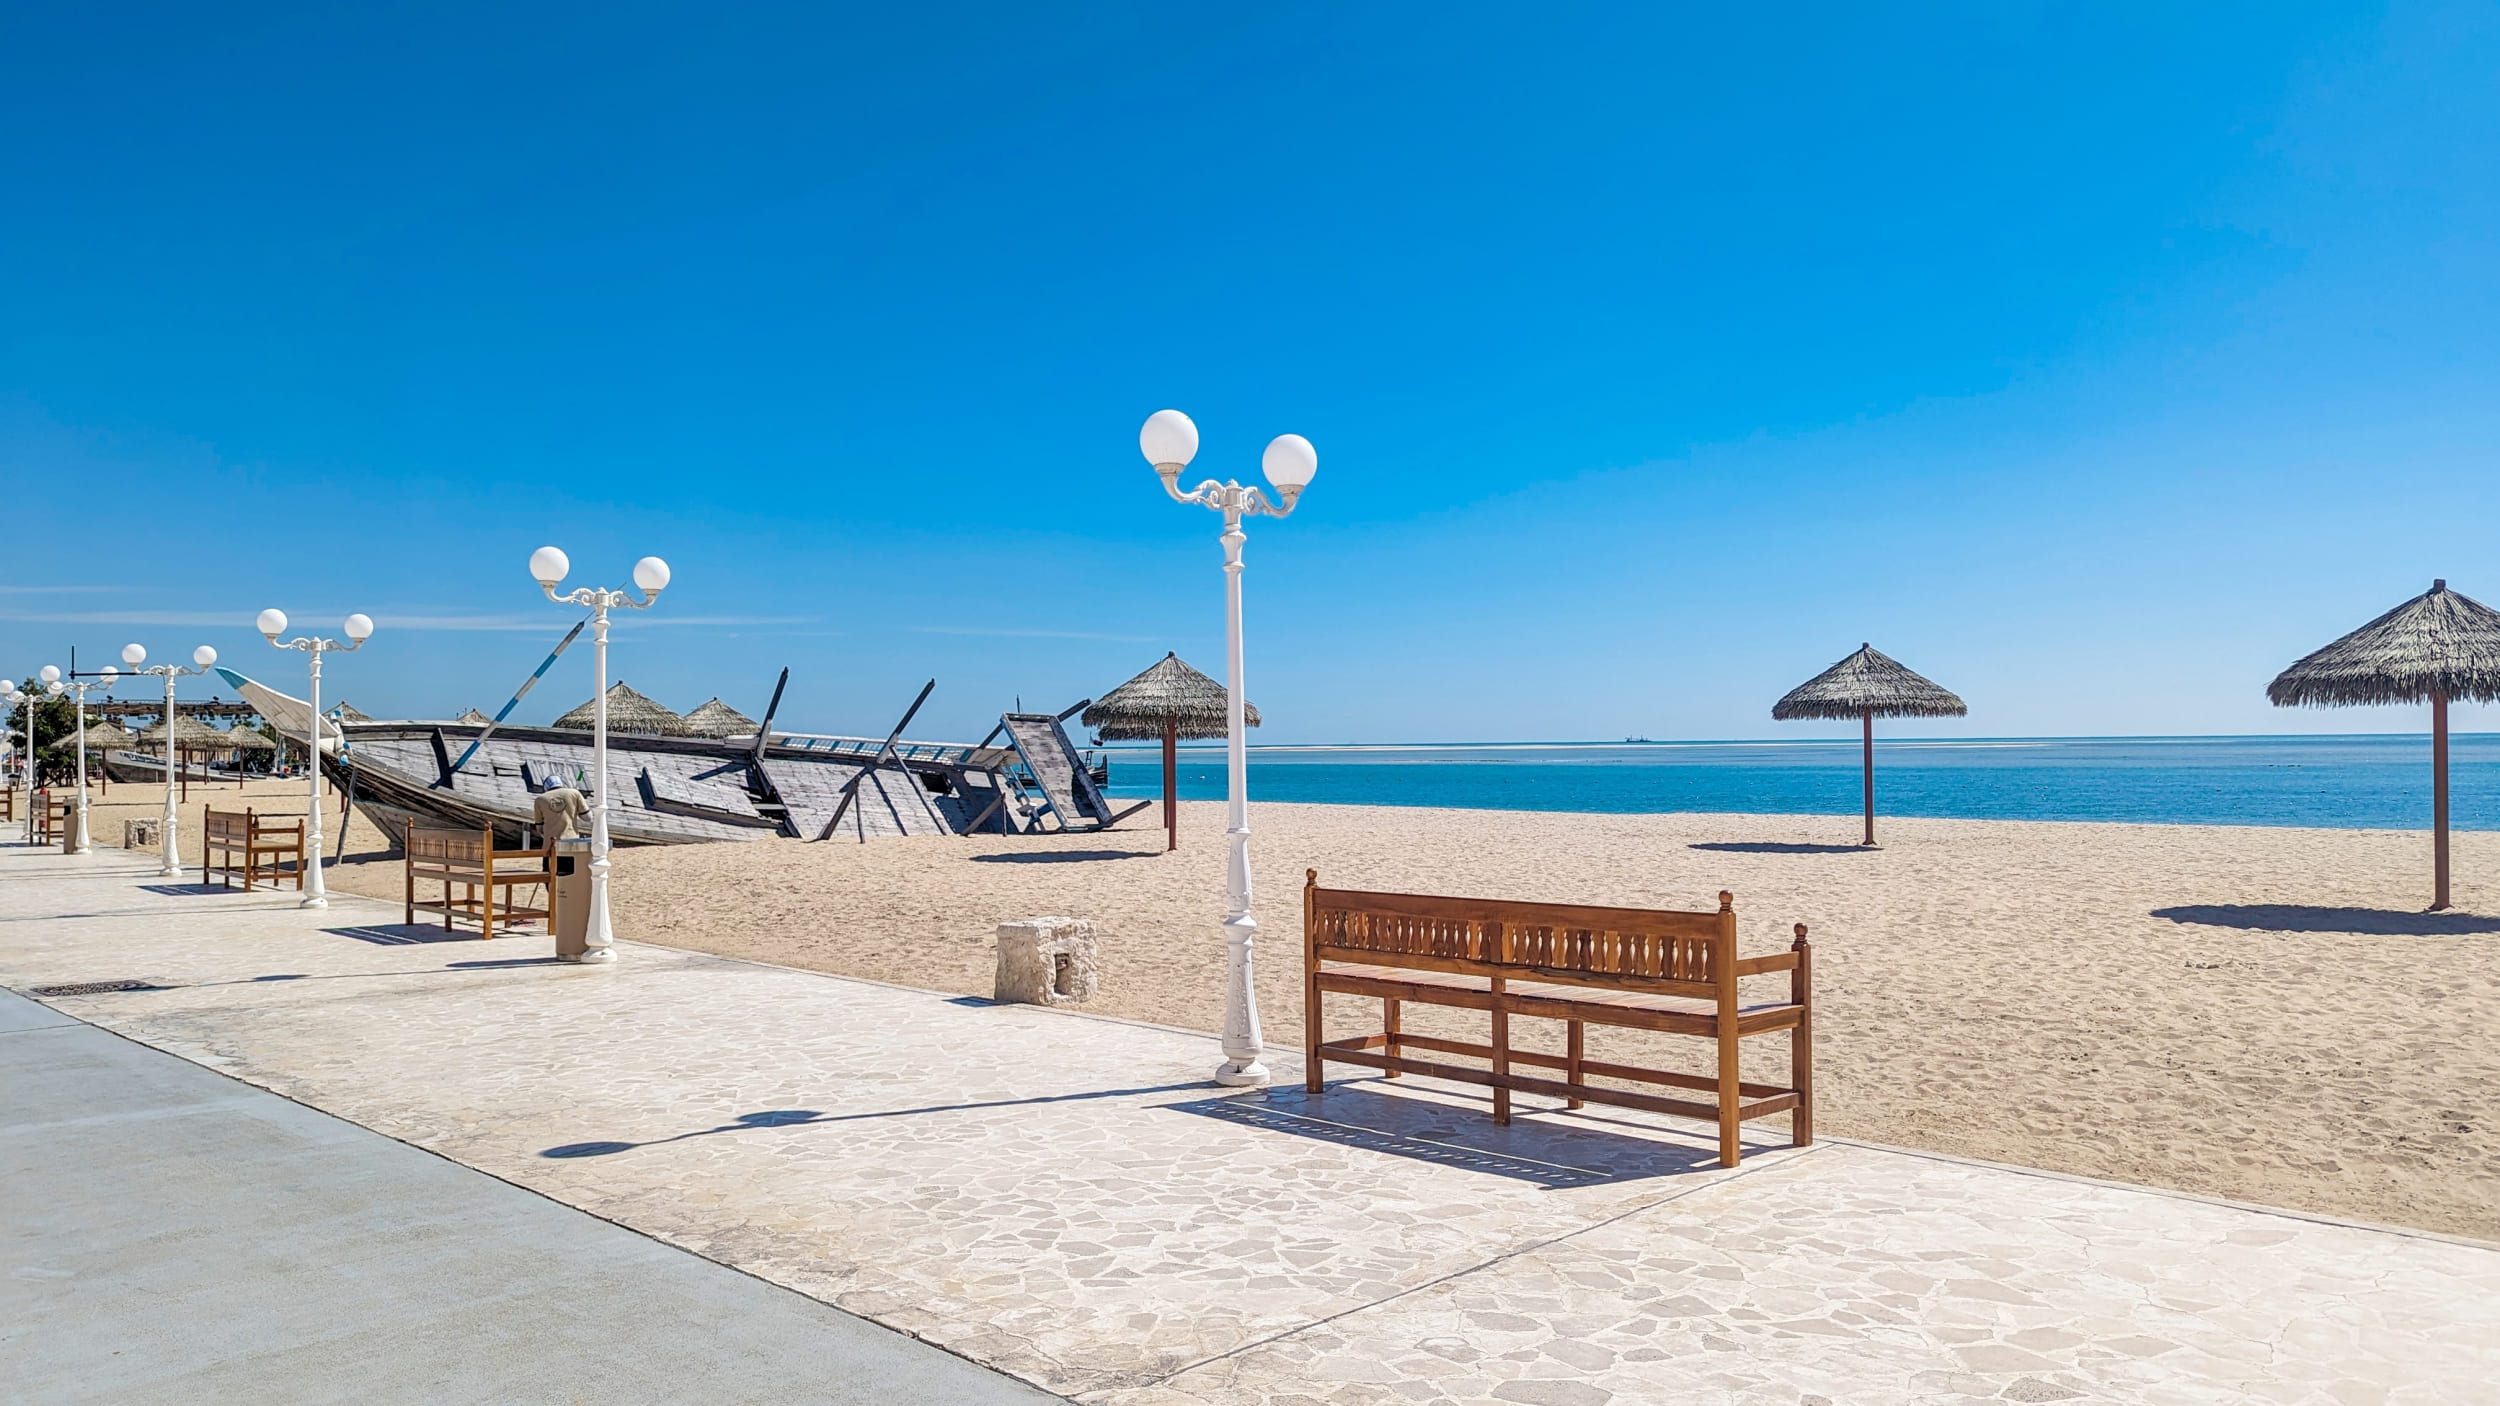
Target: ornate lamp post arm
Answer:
[[358, 628], [1169, 442], [549, 567], [169, 821]]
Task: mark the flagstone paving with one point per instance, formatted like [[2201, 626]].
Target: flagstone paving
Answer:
[[1066, 1198]]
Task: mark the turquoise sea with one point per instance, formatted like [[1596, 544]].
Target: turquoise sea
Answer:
[[2367, 781]]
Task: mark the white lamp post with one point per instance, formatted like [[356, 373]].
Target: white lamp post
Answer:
[[358, 629], [103, 678], [171, 823], [549, 567], [1169, 442]]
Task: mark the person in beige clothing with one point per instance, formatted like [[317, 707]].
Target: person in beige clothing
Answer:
[[558, 812]]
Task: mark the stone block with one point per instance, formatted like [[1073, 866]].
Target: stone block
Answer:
[[140, 834], [1046, 961]]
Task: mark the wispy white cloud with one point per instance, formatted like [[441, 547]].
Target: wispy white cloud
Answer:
[[79, 590], [547, 622], [988, 632]]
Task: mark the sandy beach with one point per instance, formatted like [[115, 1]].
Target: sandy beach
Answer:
[[2258, 1014]]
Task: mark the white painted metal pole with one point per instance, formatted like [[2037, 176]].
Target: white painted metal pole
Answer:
[[170, 822], [79, 844], [599, 939], [315, 895], [1243, 1064]]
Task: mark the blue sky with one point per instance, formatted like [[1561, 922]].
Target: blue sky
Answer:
[[2097, 361]]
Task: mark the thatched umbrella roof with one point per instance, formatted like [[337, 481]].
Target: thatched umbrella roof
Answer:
[[718, 719], [1170, 692], [1869, 681], [190, 735], [1169, 701], [628, 711], [473, 718], [2439, 642], [1867, 685], [2435, 648], [247, 739], [105, 736]]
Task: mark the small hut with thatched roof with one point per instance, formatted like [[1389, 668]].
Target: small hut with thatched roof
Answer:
[[1868, 685], [628, 711], [2433, 648], [718, 719], [1170, 701]]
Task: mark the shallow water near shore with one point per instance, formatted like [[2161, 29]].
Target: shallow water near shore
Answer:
[[2363, 782]]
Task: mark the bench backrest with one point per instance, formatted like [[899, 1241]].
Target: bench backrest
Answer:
[[434, 847], [1692, 954]]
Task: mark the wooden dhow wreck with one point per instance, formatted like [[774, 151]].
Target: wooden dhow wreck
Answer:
[[685, 789]]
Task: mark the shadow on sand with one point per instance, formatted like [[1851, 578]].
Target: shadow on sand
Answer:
[[1779, 847], [1060, 856], [2300, 917]]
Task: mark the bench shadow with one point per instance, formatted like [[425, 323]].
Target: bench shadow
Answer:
[[809, 1117], [412, 934], [1556, 1156], [2301, 917], [1059, 856], [1778, 847]]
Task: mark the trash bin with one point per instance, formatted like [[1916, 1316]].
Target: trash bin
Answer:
[[572, 896]]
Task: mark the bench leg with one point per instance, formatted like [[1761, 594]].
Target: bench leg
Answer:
[[1313, 1030], [1501, 1055], [1731, 1125], [1389, 1031], [1801, 1078], [1571, 1054]]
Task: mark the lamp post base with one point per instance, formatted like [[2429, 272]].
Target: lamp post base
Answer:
[[1234, 1075], [596, 956], [317, 900]]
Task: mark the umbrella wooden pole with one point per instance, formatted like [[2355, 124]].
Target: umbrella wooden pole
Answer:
[[2439, 801], [1867, 717], [1171, 785]]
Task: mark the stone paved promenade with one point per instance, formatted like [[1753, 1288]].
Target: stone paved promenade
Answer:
[[1064, 1199]]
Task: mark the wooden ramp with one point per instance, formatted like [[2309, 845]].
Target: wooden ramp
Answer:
[[1055, 766]]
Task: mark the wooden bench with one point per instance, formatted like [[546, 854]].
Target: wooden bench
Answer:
[[236, 842], [486, 876], [1642, 969]]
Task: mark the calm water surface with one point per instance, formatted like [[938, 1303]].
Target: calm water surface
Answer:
[[2372, 782]]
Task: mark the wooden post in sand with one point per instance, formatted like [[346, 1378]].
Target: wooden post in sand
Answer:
[[2439, 801], [1867, 717], [1171, 785]]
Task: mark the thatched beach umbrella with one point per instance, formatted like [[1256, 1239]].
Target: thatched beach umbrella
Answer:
[[191, 738], [1868, 685], [471, 717], [2437, 646], [1170, 701], [104, 735], [718, 719], [247, 739], [628, 711]]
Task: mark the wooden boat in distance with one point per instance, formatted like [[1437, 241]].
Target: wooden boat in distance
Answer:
[[688, 790]]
